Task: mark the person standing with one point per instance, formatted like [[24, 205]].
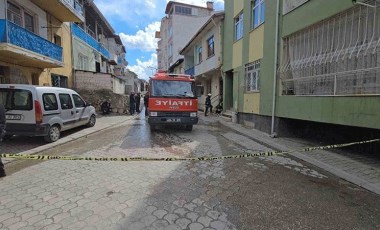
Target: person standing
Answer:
[[146, 102], [138, 99], [208, 104], [2, 133], [132, 103]]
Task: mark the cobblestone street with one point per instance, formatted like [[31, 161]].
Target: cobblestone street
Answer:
[[253, 193]]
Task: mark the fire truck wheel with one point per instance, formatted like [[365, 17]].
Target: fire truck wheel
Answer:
[[189, 127]]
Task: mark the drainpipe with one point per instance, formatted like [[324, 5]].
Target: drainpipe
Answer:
[[6, 21], [73, 75], [272, 133]]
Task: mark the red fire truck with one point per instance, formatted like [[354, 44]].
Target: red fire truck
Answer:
[[172, 100]]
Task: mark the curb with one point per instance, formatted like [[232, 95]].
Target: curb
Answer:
[[72, 137], [262, 138]]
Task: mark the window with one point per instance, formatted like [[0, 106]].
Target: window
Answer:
[[170, 50], [199, 54], [170, 31], [239, 25], [18, 16], [252, 76], [14, 13], [210, 46], [66, 102], [50, 101], [16, 99], [59, 81], [183, 10], [29, 22], [79, 103], [57, 40], [258, 12], [83, 62]]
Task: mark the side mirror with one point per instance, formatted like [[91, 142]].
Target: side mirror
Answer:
[[87, 104]]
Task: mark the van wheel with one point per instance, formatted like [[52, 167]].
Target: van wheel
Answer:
[[189, 127], [92, 121], [53, 134]]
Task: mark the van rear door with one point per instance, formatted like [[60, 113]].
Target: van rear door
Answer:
[[18, 103]]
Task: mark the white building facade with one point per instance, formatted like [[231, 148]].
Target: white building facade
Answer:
[[203, 59], [177, 27]]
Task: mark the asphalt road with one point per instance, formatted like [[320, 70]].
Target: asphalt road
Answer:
[[253, 193]]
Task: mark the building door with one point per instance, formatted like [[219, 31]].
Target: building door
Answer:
[[35, 79], [97, 64], [228, 90]]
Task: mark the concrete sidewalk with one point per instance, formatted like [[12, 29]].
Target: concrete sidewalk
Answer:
[[102, 123], [360, 170]]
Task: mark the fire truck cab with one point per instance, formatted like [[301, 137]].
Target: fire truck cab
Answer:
[[173, 100]]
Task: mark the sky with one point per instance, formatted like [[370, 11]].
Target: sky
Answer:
[[136, 22]]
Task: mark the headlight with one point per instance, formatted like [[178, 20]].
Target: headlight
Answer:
[[153, 114], [193, 114]]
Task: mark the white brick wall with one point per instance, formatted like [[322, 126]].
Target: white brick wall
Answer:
[[93, 81]]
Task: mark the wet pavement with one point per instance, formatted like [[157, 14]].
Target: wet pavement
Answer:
[[279, 192]]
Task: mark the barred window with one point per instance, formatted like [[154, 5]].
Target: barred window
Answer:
[[338, 56], [252, 76]]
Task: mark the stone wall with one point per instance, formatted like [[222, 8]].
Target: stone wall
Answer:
[[119, 103]]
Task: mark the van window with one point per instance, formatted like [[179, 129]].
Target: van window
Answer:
[[50, 101], [66, 102], [78, 101], [16, 99]]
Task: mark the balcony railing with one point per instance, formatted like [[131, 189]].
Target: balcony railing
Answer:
[[79, 33], [190, 71], [16, 35]]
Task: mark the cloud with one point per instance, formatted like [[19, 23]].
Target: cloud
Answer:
[[140, 11], [143, 39], [145, 69], [131, 11]]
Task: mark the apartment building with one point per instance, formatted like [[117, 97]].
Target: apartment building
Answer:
[[304, 66], [242, 56], [177, 27], [35, 45], [203, 59], [98, 53]]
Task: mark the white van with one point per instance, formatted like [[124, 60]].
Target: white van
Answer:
[[43, 111]]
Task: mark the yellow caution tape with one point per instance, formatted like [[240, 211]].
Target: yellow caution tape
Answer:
[[205, 158]]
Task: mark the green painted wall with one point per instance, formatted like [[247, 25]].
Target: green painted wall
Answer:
[[361, 111], [267, 65], [311, 12], [228, 31]]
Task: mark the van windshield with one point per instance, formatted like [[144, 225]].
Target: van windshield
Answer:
[[172, 88], [16, 99]]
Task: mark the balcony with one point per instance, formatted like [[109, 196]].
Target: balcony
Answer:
[[22, 47], [190, 71], [79, 33], [63, 10], [121, 61], [206, 66]]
